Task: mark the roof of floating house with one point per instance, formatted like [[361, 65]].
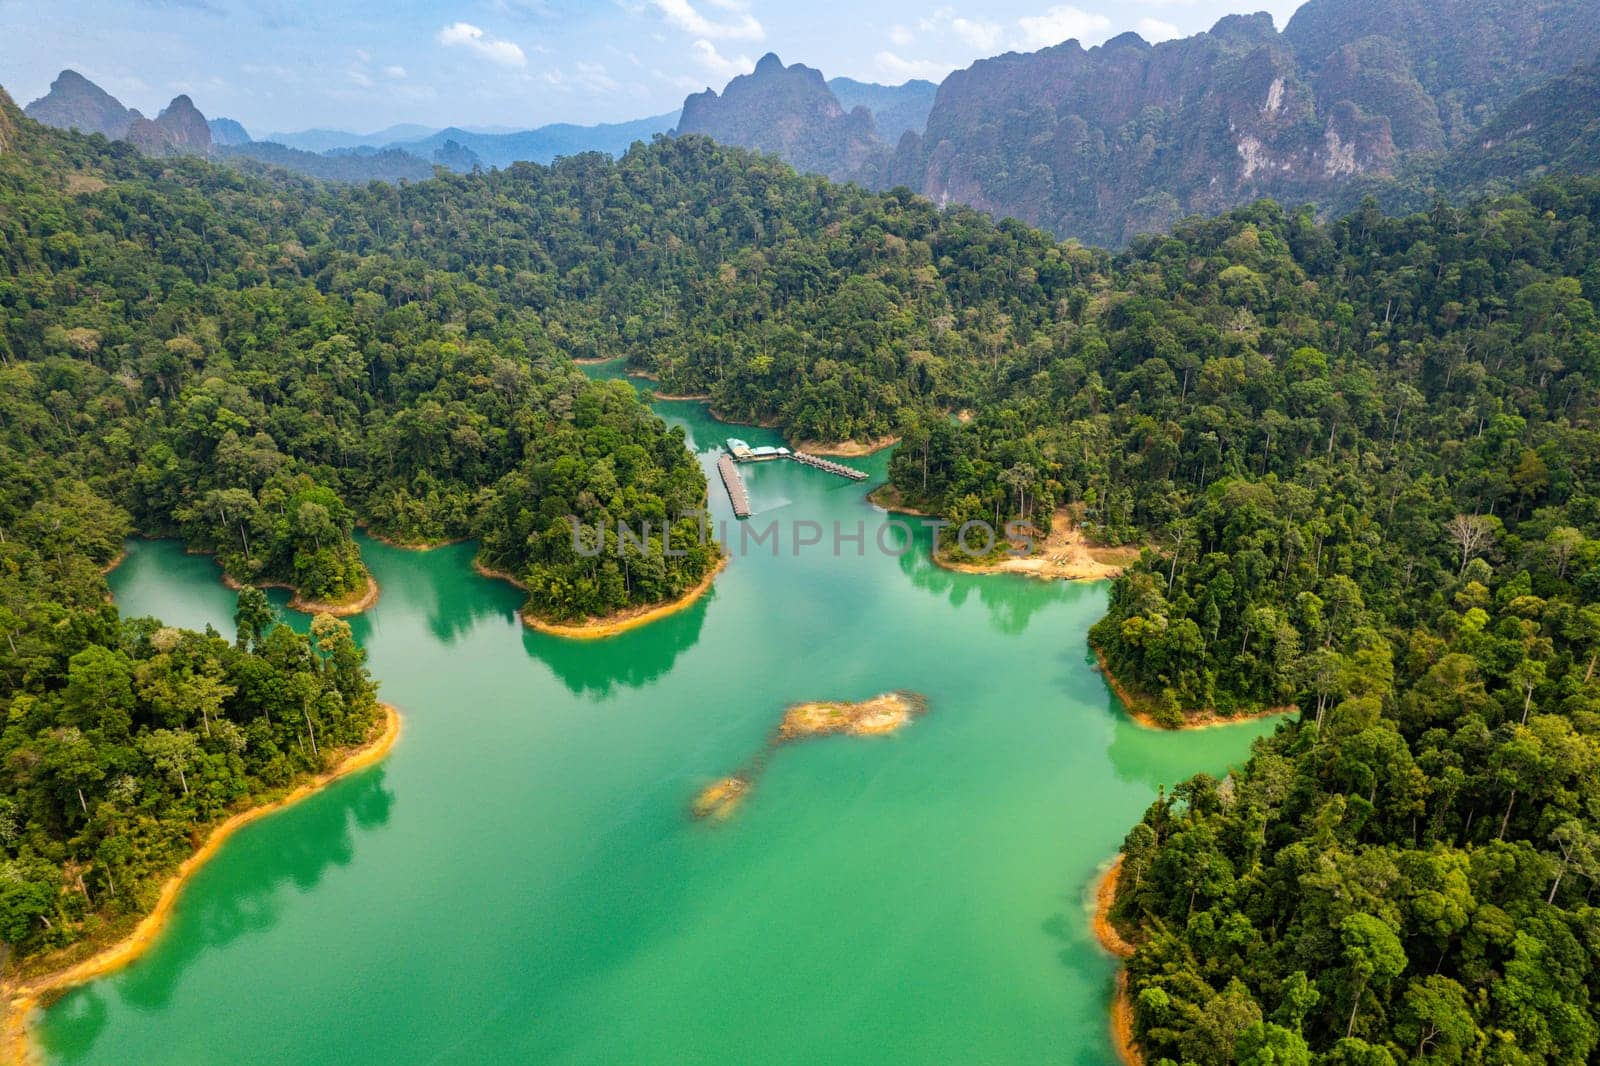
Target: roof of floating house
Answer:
[[737, 446], [766, 450]]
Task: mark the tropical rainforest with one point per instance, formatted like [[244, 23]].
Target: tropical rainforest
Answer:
[[1360, 456]]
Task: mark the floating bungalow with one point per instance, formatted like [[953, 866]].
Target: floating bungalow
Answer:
[[742, 452]]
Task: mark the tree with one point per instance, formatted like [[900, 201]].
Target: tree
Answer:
[[171, 752], [1372, 954], [253, 616], [1471, 534], [1436, 1012]]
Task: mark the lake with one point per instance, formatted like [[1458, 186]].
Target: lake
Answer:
[[522, 880]]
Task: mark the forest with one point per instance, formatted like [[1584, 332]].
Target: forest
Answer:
[[1359, 454]]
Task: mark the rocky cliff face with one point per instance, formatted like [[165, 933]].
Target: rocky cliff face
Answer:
[[1470, 56], [8, 121], [792, 112], [1107, 142], [75, 102]]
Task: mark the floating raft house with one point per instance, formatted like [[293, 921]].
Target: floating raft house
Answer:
[[742, 452]]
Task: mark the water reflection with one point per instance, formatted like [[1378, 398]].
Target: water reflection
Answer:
[[1154, 758], [631, 660], [296, 847], [439, 584], [1010, 609]]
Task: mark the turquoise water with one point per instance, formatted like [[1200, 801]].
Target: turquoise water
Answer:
[[521, 881]]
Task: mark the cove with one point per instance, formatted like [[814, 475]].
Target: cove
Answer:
[[522, 880]]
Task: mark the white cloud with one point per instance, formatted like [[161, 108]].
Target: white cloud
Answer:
[[900, 36], [1059, 24], [466, 35], [896, 68], [742, 27], [680, 81], [1154, 30], [705, 53], [980, 34], [358, 78], [394, 73]]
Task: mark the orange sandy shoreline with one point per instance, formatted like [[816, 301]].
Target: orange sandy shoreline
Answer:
[[847, 449], [610, 625], [23, 998], [1105, 894]]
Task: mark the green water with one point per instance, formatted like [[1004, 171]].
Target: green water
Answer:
[[521, 880]]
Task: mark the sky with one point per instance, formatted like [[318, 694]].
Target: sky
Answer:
[[284, 65]]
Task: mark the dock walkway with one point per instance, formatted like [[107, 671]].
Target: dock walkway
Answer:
[[828, 465], [734, 483]]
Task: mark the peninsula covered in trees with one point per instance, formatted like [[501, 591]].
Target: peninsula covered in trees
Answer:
[[1360, 454]]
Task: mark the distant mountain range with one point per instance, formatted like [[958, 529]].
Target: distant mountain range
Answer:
[[404, 152], [1399, 99], [1395, 97]]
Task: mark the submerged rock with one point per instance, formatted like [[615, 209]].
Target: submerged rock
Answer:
[[877, 716]]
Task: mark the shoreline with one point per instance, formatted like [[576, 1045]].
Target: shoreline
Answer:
[[1032, 566], [1106, 935], [680, 397], [1192, 719], [1062, 555], [847, 449], [610, 625], [418, 546], [888, 498], [24, 997], [121, 557]]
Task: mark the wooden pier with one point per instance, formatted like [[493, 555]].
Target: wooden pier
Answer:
[[734, 483], [829, 466]]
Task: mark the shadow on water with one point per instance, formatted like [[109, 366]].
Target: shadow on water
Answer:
[[629, 660], [273, 854], [1009, 612], [439, 583]]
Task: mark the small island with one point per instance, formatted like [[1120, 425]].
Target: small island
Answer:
[[878, 716], [868, 718], [608, 625], [353, 603]]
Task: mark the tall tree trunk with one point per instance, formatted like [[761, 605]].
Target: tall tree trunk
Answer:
[[1350, 1029]]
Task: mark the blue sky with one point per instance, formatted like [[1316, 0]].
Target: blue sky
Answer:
[[292, 64]]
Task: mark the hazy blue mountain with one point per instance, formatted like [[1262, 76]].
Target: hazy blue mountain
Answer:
[[322, 140], [227, 131], [544, 144], [896, 109], [371, 164]]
